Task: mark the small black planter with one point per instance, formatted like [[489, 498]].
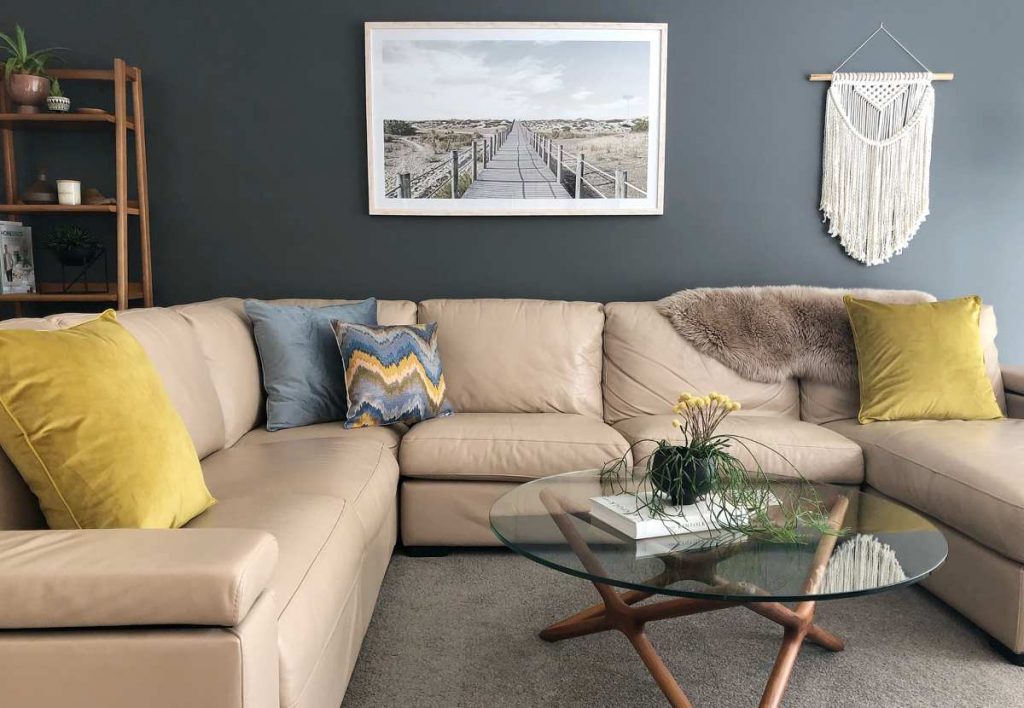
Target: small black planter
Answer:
[[681, 479], [77, 256]]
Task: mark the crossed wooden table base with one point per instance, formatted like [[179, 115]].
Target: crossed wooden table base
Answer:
[[616, 610]]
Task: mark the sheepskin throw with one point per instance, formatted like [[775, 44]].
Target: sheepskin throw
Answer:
[[773, 333], [876, 158]]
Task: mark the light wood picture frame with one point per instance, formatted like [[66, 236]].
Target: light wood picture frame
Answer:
[[515, 118]]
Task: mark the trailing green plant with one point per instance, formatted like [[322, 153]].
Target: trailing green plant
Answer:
[[738, 499], [68, 238], [55, 90], [22, 61]]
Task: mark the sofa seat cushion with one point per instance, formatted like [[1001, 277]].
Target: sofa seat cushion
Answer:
[[320, 546], [819, 454], [507, 446], [325, 500], [365, 474], [388, 436], [966, 474]]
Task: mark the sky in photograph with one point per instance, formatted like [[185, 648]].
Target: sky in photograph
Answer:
[[437, 79]]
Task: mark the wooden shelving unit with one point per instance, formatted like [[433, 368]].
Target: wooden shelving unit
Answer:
[[120, 122]]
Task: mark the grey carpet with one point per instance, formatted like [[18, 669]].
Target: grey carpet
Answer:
[[461, 631]]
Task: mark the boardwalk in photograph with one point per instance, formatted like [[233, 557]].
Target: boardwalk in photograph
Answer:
[[516, 172]]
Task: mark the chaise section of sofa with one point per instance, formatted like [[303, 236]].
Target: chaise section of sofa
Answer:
[[325, 497], [965, 476]]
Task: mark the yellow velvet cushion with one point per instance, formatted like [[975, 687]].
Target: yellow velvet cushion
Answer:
[[87, 422], [921, 361]]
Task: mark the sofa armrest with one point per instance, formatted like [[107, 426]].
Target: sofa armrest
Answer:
[[1013, 379], [119, 577]]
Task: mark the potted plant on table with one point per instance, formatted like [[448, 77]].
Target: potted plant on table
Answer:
[[703, 468], [25, 71]]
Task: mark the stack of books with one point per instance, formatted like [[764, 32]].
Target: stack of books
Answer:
[[676, 529], [631, 516]]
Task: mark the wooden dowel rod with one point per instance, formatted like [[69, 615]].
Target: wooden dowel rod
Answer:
[[828, 77]]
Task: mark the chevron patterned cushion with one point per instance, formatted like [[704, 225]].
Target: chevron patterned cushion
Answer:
[[392, 374]]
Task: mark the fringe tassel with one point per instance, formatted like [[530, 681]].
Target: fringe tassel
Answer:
[[862, 563], [876, 161]]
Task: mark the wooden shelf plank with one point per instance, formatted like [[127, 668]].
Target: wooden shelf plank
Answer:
[[52, 292], [65, 121], [133, 209]]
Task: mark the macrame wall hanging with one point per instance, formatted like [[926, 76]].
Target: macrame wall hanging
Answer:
[[876, 156]]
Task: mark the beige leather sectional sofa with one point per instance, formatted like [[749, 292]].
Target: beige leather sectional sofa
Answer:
[[264, 599]]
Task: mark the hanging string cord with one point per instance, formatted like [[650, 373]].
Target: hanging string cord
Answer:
[[881, 28]]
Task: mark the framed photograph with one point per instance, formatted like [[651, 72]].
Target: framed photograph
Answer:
[[505, 118]]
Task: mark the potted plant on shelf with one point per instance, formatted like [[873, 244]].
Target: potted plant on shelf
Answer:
[[25, 71], [73, 245], [702, 467], [57, 101]]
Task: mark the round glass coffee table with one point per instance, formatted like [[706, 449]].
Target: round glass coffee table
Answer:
[[879, 546]]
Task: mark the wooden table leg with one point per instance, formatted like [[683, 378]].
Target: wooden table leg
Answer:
[[617, 611]]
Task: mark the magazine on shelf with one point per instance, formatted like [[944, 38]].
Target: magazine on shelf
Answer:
[[19, 274], [629, 515]]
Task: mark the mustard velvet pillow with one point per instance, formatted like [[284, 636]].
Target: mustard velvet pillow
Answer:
[[86, 420], [921, 361]]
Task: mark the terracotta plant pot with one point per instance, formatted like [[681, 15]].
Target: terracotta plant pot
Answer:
[[28, 91]]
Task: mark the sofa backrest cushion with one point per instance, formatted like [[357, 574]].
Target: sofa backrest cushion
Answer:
[[519, 356], [647, 365], [823, 403], [177, 357], [225, 335], [172, 346]]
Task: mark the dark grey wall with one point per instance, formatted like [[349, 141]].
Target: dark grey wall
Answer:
[[257, 152]]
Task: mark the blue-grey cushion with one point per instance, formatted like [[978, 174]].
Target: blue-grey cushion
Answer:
[[302, 370]]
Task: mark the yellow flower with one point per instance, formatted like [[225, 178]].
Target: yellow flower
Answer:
[[735, 406], [676, 423]]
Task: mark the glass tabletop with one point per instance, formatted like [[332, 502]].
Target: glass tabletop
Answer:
[[881, 545]]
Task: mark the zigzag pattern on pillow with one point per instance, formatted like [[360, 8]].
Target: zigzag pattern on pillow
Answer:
[[392, 374]]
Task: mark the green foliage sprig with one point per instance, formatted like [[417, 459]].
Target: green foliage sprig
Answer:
[[740, 500], [22, 61], [68, 238]]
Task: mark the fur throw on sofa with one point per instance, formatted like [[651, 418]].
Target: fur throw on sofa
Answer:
[[772, 333]]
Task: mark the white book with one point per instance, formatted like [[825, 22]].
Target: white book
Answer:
[[18, 274], [686, 542], [629, 515]]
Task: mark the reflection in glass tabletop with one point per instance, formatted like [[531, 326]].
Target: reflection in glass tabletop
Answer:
[[882, 545]]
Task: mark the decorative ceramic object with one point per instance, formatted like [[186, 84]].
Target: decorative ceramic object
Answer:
[[58, 104], [57, 101], [69, 192], [93, 196], [28, 91], [91, 111], [680, 477], [40, 192]]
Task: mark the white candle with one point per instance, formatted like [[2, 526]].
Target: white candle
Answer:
[[69, 192]]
